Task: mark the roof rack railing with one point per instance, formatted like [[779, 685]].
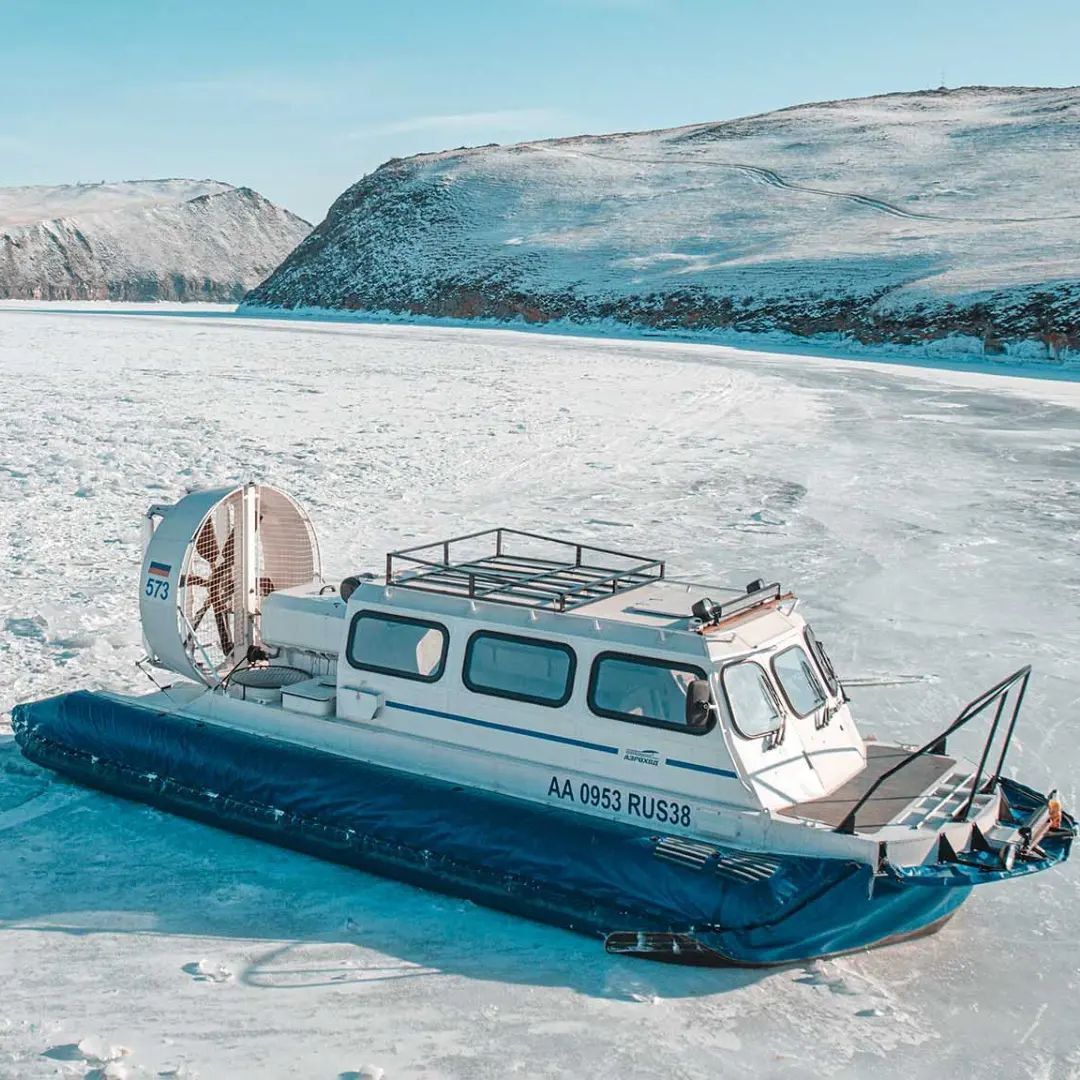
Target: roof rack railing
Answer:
[[712, 615], [504, 573]]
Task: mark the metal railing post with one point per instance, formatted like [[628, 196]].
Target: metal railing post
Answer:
[[1012, 724], [998, 693], [985, 754]]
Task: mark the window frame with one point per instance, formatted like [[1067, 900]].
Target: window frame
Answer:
[[397, 673], [783, 689], [823, 661], [510, 695], [781, 711], [644, 721]]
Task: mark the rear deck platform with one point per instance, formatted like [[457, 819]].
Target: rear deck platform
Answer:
[[889, 801]]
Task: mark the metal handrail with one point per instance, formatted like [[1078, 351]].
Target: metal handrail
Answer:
[[937, 745]]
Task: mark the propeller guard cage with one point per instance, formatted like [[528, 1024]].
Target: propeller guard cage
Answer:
[[209, 560]]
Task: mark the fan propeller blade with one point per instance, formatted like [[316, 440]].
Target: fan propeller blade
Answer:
[[228, 552], [223, 631], [220, 583], [222, 587], [199, 618], [206, 542]]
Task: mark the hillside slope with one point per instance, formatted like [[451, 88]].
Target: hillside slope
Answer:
[[901, 218], [140, 240]]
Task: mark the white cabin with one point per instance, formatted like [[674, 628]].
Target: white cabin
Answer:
[[588, 680]]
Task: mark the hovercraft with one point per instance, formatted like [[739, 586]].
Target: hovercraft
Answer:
[[548, 728]]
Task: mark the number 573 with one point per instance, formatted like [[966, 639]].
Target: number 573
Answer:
[[158, 587]]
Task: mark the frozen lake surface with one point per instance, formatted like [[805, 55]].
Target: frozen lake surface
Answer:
[[928, 519]]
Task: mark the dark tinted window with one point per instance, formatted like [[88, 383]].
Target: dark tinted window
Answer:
[[397, 645], [522, 668], [643, 691]]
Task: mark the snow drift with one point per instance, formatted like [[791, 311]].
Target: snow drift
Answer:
[[901, 218], [140, 240]]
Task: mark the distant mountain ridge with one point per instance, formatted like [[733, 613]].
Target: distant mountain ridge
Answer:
[[173, 239], [898, 218]]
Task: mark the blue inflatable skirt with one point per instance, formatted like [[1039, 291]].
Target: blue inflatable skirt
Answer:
[[602, 878]]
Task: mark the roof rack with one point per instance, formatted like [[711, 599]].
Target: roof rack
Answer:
[[508, 566]]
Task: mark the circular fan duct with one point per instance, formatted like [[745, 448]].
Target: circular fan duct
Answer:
[[209, 561]]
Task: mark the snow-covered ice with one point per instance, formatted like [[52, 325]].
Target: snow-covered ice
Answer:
[[927, 518]]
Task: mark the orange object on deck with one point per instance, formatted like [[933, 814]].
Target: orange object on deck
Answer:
[[1054, 805]]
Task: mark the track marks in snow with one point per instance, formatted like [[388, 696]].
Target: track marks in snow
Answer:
[[56, 797], [28, 792], [774, 179]]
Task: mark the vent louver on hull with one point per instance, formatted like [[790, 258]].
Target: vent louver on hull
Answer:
[[734, 865]]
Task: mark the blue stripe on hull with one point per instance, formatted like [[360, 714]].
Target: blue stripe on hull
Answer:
[[694, 767], [579, 872], [549, 737], [503, 727]]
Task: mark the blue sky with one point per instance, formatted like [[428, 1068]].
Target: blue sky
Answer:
[[300, 99]]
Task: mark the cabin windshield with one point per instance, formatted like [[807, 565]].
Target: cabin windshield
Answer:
[[797, 679], [755, 710]]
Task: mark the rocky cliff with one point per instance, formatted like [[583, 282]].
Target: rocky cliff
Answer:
[[898, 218], [140, 240]]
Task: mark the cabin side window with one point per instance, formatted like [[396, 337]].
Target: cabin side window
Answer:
[[797, 680], [752, 702], [397, 645], [519, 668], [642, 690]]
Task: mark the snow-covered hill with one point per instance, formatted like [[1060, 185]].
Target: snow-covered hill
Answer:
[[140, 240], [900, 218]]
